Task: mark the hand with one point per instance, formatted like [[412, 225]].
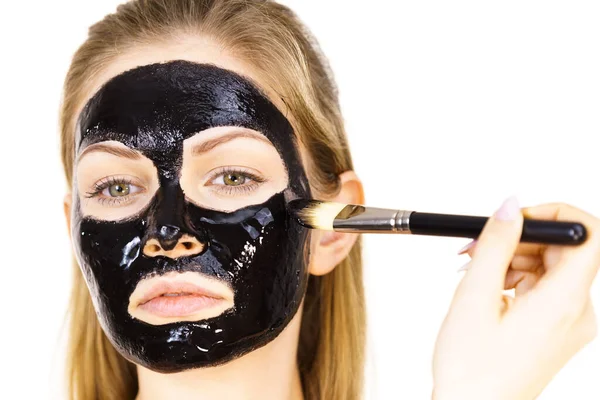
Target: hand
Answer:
[[490, 347]]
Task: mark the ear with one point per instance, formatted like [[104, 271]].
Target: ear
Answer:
[[331, 248], [67, 202]]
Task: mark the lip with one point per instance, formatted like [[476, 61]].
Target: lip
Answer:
[[175, 297]]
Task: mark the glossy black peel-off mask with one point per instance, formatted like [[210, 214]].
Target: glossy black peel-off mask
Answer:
[[259, 251]]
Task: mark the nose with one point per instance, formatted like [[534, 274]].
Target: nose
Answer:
[[186, 245], [169, 235]]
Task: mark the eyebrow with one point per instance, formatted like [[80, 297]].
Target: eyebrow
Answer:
[[107, 148], [204, 147]]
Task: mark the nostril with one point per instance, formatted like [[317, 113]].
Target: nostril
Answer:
[[185, 246], [189, 246], [154, 248]]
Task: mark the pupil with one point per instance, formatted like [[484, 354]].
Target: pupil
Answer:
[[234, 179], [119, 189]]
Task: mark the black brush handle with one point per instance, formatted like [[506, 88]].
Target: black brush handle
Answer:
[[534, 231]]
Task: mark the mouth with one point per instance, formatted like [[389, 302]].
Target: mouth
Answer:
[[176, 297]]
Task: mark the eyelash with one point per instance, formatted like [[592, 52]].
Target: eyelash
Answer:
[[101, 185], [105, 183], [236, 190]]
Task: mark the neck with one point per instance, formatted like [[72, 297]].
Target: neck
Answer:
[[270, 372]]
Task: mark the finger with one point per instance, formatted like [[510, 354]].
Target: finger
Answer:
[[524, 249], [527, 258], [548, 211], [530, 249], [484, 280], [522, 263], [521, 281], [526, 263], [512, 279]]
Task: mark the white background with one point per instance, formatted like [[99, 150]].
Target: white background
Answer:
[[450, 106]]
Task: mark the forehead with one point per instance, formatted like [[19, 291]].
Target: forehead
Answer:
[[160, 105]]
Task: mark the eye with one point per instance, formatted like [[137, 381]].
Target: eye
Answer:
[[234, 179], [117, 190], [231, 180], [114, 190]]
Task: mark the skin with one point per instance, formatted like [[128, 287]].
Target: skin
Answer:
[[210, 159], [269, 372], [545, 278], [500, 348]]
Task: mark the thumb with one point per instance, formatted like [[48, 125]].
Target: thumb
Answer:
[[483, 282]]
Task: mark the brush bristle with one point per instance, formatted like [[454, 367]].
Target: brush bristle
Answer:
[[316, 214]]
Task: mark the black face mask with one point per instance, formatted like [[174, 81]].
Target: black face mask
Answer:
[[153, 109]]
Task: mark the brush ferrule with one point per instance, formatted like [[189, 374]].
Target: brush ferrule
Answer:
[[372, 220], [403, 221]]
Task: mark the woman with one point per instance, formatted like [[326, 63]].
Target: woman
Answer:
[[186, 126]]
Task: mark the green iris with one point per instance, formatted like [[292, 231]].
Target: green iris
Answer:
[[119, 189], [234, 179]]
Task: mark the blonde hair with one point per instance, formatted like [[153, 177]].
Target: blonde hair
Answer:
[[271, 39]]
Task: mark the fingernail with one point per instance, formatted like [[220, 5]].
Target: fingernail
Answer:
[[509, 210], [464, 267], [467, 247]]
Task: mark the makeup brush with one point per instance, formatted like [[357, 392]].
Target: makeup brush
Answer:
[[315, 214]]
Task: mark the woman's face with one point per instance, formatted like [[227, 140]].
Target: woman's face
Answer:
[[179, 220]]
